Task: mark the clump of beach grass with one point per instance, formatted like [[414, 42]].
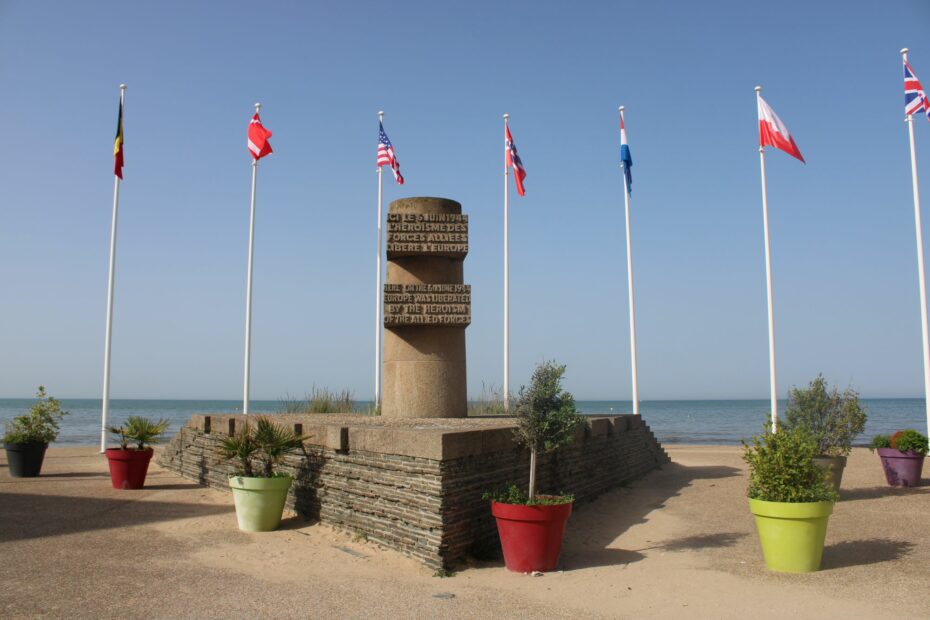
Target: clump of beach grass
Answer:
[[320, 400], [489, 402]]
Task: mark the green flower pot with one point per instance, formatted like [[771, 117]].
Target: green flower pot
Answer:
[[792, 534], [259, 501]]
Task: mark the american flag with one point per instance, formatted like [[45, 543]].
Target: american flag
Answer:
[[915, 99], [513, 160], [386, 155]]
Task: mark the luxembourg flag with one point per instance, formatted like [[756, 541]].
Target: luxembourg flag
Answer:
[[773, 132]]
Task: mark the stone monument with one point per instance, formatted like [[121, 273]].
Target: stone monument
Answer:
[[426, 310]]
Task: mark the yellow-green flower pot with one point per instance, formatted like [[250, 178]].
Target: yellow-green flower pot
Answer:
[[259, 501], [792, 534]]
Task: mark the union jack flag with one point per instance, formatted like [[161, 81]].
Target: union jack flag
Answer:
[[513, 160], [386, 155], [915, 100]]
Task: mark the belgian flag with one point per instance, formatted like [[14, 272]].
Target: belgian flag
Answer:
[[118, 144]]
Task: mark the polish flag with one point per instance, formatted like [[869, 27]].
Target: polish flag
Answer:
[[773, 132]]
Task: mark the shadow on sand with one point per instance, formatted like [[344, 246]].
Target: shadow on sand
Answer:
[[29, 515], [848, 495], [70, 474], [174, 487], [596, 525], [861, 552]]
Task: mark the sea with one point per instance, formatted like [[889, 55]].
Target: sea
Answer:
[[709, 422]]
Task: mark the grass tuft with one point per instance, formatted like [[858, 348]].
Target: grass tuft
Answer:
[[320, 400]]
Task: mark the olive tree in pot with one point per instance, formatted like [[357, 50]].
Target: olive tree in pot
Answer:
[[790, 497], [531, 525], [902, 456], [129, 464], [832, 418], [260, 492], [27, 437]]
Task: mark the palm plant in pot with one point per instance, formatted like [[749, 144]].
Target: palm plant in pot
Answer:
[[260, 492], [902, 456], [531, 525], [832, 418], [790, 497], [27, 437], [129, 463]]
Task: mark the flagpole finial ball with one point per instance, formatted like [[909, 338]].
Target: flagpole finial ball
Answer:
[[122, 87], [506, 116], [758, 89], [381, 113], [904, 51], [258, 106], [622, 108]]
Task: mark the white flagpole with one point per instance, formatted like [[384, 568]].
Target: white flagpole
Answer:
[[506, 280], [248, 290], [920, 260], [110, 289], [378, 322], [629, 272], [768, 282]]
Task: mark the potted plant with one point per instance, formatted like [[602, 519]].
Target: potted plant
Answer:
[[791, 498], [902, 456], [531, 526], [259, 493], [832, 418], [129, 464], [27, 437]]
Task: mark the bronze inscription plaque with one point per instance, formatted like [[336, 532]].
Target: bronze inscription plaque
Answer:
[[427, 304]]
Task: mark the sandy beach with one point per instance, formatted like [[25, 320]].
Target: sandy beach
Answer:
[[679, 542]]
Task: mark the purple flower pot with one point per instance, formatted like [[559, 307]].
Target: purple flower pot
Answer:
[[902, 469]]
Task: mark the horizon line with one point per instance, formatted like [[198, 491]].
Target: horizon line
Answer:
[[269, 400]]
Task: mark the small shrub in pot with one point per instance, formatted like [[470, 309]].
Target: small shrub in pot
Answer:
[[27, 436], [129, 463], [530, 525], [832, 418], [790, 497], [902, 456]]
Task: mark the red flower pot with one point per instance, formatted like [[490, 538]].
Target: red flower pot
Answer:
[[128, 467], [531, 536], [902, 469]]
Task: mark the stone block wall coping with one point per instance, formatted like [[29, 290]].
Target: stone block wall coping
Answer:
[[429, 438]]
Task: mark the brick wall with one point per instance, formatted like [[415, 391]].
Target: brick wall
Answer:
[[416, 486]]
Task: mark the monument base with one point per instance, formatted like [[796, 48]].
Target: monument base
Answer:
[[415, 485]]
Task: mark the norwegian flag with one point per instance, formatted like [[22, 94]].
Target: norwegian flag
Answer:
[[386, 155], [258, 138], [773, 132], [915, 100], [513, 160]]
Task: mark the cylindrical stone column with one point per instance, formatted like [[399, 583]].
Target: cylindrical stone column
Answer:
[[426, 310]]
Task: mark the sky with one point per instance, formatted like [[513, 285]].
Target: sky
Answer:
[[842, 226]]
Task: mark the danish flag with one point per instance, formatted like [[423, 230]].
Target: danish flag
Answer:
[[773, 132], [915, 100], [258, 138]]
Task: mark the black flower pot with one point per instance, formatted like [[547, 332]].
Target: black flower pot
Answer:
[[25, 459]]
